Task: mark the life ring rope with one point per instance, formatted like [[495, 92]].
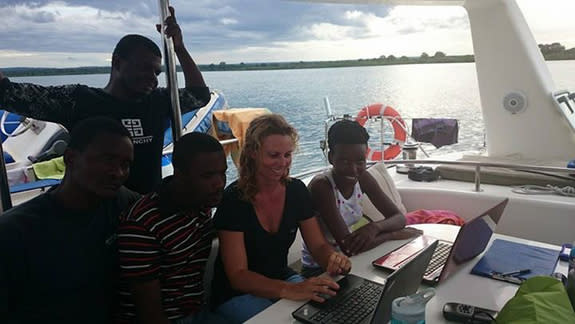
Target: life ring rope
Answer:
[[399, 130]]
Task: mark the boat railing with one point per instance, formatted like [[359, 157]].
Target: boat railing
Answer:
[[170, 150], [381, 119], [477, 165]]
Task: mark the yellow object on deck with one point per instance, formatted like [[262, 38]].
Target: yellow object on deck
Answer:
[[52, 169], [238, 119]]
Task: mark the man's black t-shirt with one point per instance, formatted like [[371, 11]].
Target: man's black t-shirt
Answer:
[[266, 252], [59, 265], [146, 119]]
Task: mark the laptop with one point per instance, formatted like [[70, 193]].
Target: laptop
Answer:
[[364, 301], [470, 242]]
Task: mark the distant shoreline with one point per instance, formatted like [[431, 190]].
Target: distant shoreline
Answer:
[[222, 66]]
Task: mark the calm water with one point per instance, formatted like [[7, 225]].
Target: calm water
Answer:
[[434, 90]]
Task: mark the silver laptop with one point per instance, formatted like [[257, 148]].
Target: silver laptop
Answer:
[[470, 242]]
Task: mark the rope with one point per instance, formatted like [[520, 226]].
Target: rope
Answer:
[[566, 191]]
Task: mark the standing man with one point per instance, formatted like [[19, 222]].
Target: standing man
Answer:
[[58, 252], [131, 97], [165, 239]]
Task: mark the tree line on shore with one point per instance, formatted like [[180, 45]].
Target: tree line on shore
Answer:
[[554, 51]]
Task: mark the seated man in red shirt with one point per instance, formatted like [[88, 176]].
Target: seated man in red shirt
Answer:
[[165, 238]]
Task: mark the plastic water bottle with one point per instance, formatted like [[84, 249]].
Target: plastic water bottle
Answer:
[[571, 277], [411, 309]]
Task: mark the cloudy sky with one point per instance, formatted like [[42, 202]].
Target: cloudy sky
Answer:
[[51, 33]]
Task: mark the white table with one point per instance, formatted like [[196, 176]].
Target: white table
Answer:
[[461, 286]]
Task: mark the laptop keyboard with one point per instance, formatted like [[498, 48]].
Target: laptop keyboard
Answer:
[[439, 258], [353, 307]]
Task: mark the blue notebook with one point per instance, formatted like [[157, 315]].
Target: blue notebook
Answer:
[[506, 256]]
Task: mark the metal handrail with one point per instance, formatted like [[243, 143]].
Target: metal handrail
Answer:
[[229, 141], [310, 172], [314, 171], [223, 142], [477, 165], [486, 164]]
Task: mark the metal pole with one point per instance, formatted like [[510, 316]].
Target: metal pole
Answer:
[[5, 200], [171, 73], [382, 135], [478, 178], [327, 107]]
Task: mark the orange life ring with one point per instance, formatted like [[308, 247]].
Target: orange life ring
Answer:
[[397, 123]]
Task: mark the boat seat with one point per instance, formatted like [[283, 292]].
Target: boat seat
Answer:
[[40, 184], [383, 178], [209, 271], [186, 118]]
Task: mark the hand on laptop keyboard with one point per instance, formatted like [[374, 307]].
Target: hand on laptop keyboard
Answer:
[[362, 239], [338, 264], [405, 233], [367, 237], [312, 289]]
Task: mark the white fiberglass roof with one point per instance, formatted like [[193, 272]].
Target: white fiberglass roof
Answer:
[[394, 2]]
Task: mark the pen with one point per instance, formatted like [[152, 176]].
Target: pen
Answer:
[[511, 279], [515, 273]]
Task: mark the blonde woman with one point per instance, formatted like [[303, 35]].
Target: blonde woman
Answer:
[[257, 222]]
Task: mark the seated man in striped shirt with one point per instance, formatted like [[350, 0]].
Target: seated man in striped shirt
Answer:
[[165, 238]]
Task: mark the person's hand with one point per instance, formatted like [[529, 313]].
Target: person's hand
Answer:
[[359, 240], [311, 289], [405, 233], [338, 264], [172, 29]]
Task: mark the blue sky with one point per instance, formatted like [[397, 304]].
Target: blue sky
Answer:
[[83, 32]]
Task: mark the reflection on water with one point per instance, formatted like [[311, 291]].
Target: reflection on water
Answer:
[[430, 90]]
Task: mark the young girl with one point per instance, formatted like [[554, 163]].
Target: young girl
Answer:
[[336, 195]]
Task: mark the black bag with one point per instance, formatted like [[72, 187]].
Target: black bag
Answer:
[[423, 173]]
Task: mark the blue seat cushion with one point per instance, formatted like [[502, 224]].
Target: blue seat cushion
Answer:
[[34, 185], [8, 158]]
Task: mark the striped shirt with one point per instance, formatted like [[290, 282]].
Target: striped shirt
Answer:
[[157, 242]]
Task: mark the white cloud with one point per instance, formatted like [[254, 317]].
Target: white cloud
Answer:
[[63, 16], [228, 21], [53, 59], [550, 20], [353, 14], [405, 30], [6, 55], [60, 24], [48, 33], [327, 31]]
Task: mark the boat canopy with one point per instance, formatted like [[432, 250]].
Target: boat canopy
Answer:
[[395, 2]]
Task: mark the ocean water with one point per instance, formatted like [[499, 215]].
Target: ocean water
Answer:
[[422, 90]]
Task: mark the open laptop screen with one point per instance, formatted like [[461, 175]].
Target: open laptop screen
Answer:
[[473, 238], [402, 282]]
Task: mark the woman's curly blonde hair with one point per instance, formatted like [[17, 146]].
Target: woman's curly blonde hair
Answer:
[[260, 128]]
